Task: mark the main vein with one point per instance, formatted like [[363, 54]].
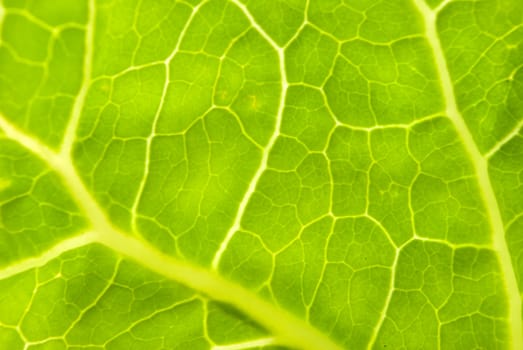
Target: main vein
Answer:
[[287, 329], [480, 164]]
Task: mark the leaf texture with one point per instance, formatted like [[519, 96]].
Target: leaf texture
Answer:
[[241, 174]]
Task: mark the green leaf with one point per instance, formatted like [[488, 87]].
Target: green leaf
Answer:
[[240, 174]]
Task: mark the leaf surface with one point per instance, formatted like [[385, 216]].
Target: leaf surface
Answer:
[[229, 174]]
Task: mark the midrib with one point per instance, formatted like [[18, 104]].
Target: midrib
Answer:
[[480, 164]]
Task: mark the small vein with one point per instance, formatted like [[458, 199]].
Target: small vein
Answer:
[[512, 134], [167, 63], [247, 344], [29, 143], [289, 329], [146, 318], [50, 254], [265, 155], [442, 5], [62, 164], [74, 120], [2, 14]]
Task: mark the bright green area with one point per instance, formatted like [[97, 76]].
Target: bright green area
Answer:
[[306, 150]]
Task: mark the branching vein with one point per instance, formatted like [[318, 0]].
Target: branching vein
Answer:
[[265, 155], [72, 126], [150, 137], [288, 329], [480, 164]]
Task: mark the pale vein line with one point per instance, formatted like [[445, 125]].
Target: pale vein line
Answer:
[[481, 168], [4, 183], [145, 318], [454, 246], [96, 301], [288, 329], [441, 6], [72, 126], [265, 155], [505, 140], [386, 305], [323, 269], [33, 145], [63, 166], [2, 15], [147, 166], [247, 344], [50, 254], [33, 19]]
